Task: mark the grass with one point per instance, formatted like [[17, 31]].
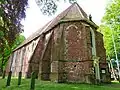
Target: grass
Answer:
[[45, 85]]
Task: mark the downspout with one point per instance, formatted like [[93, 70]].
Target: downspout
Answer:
[[94, 56]]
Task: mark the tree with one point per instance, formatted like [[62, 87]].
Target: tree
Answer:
[[8, 50], [49, 7], [13, 11], [110, 25], [108, 43], [11, 14]]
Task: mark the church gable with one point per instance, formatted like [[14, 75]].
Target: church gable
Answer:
[[75, 13]]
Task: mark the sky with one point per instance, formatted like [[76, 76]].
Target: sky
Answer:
[[35, 19]]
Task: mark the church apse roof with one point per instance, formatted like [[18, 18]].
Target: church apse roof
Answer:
[[74, 12]]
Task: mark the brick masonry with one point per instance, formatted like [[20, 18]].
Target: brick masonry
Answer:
[[64, 54]]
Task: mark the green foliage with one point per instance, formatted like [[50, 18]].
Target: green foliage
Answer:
[[1, 34], [19, 39], [2, 1], [7, 49], [11, 14], [49, 7], [112, 14], [110, 25]]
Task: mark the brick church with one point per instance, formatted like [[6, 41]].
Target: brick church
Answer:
[[67, 49]]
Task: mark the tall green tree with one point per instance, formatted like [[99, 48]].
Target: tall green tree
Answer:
[[11, 14], [111, 26]]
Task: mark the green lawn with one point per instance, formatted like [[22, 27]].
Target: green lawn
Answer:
[[44, 85]]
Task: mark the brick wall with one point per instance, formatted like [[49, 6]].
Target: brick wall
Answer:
[[77, 64]]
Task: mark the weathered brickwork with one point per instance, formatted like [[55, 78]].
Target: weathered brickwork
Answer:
[[100, 47], [76, 67], [78, 71], [75, 41], [77, 63], [67, 49]]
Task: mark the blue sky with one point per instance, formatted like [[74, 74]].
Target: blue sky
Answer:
[[35, 19]]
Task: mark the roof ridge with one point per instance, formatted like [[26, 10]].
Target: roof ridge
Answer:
[[69, 8], [52, 23]]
